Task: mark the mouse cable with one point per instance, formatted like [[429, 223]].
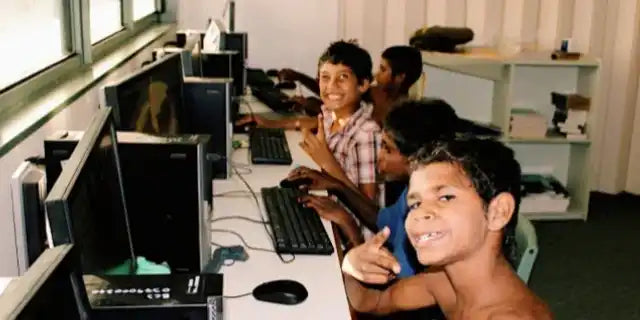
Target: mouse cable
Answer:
[[238, 296], [244, 242], [237, 217], [233, 194], [266, 229]]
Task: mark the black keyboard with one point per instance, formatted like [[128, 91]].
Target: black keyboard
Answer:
[[269, 146], [273, 98], [296, 229], [258, 78]]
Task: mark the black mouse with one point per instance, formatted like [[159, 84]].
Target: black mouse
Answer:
[[272, 72], [281, 291], [285, 85], [286, 183]]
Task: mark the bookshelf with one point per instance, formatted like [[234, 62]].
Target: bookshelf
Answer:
[[484, 86]]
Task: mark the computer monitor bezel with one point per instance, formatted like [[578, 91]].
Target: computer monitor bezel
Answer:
[[58, 198], [22, 291]]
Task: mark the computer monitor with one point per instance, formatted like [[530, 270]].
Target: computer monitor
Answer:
[[87, 206], [51, 288], [225, 64], [149, 100], [235, 41]]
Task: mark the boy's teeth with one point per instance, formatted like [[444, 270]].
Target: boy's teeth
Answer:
[[428, 236]]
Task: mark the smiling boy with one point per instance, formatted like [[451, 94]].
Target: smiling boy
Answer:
[[462, 196], [348, 137]]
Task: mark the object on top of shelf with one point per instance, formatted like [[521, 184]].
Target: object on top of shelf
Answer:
[[442, 39]]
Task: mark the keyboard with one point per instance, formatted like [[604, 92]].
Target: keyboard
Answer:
[[258, 78], [273, 98], [269, 146], [296, 229]]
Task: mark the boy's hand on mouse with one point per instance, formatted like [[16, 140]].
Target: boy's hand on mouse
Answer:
[[319, 180], [371, 262], [326, 207]]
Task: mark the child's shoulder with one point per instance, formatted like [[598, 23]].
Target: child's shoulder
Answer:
[[524, 305]]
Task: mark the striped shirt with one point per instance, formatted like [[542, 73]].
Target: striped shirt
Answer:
[[355, 146]]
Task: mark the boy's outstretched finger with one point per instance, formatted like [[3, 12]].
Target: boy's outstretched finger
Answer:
[[380, 238]]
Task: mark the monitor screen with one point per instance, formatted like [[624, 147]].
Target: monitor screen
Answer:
[[51, 288], [86, 206], [150, 100]]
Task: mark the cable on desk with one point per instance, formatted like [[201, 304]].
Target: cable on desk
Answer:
[[238, 295], [247, 168], [237, 217], [232, 194], [244, 242], [266, 229]]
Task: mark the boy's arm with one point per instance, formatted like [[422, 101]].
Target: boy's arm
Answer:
[[305, 80], [406, 294], [287, 123], [360, 205]]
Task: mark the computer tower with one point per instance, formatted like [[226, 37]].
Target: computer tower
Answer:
[[167, 184], [235, 41], [209, 106], [225, 64]]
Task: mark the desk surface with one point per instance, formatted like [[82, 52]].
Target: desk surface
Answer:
[[4, 282], [321, 275]]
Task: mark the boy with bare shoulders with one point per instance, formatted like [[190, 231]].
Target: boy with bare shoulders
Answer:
[[462, 196]]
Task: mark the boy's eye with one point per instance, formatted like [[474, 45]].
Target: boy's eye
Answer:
[[414, 205], [447, 197], [344, 76]]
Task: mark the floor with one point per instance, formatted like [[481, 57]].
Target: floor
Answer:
[[591, 270]]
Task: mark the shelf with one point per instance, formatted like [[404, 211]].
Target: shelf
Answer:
[[554, 216], [551, 138], [488, 64]]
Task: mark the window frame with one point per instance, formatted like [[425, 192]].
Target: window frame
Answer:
[[82, 53]]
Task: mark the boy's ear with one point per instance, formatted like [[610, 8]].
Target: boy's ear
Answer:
[[500, 211], [399, 79], [364, 86]]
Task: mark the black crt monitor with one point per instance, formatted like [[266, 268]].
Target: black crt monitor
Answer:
[[51, 288], [87, 206], [225, 64], [150, 100]]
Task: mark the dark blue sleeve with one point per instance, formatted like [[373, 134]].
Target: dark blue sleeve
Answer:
[[389, 216]]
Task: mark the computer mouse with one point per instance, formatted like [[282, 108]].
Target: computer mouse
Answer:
[[285, 85], [281, 291], [272, 72], [286, 183]]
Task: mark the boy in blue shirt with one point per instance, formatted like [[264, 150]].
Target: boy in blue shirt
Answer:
[[407, 127]]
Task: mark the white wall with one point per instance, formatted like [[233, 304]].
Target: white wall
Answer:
[[607, 29], [282, 33], [75, 117]]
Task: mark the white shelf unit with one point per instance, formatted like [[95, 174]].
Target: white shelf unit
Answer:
[[484, 86]]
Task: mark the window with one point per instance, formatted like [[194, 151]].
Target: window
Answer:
[[142, 8], [105, 18], [34, 34]]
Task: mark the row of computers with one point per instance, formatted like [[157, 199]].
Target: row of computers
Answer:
[[174, 135]]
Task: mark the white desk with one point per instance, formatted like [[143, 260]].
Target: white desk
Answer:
[[321, 275], [4, 282]]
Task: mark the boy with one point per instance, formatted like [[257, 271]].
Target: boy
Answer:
[[410, 125], [463, 195], [400, 67], [347, 136]]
